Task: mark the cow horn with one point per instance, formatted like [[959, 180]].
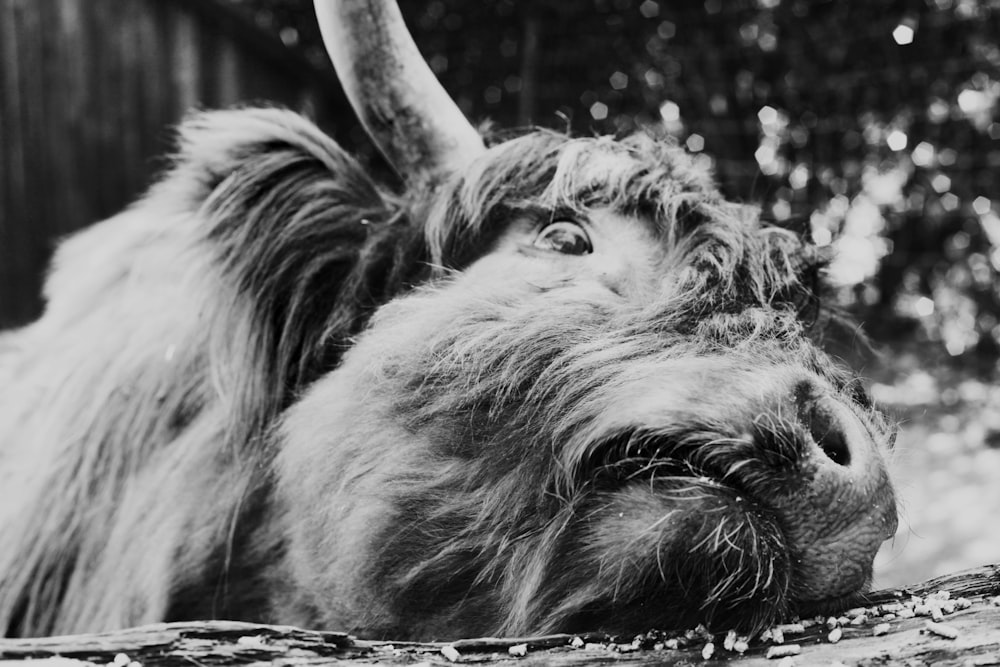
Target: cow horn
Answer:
[[403, 107]]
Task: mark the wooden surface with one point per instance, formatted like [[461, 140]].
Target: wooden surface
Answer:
[[906, 642], [89, 92]]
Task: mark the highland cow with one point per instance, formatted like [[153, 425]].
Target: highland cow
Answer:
[[557, 384]]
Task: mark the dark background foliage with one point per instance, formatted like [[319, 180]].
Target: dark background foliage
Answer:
[[873, 123]]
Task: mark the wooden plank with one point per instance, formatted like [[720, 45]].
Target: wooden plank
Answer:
[[226, 65], [12, 203], [57, 36], [974, 624], [149, 89], [185, 64], [9, 91], [90, 133], [158, 88], [5, 203], [74, 135], [89, 90], [206, 54], [21, 284], [110, 84], [131, 178], [29, 26]]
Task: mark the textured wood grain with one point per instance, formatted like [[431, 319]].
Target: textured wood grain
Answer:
[[906, 642], [89, 90]]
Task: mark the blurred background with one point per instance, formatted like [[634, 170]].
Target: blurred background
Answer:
[[871, 124]]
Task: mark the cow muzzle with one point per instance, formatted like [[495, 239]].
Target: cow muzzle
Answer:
[[773, 471]]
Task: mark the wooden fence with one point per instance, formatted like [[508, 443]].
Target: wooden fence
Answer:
[[88, 92]]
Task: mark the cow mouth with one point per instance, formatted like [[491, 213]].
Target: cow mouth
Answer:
[[671, 538], [735, 550]]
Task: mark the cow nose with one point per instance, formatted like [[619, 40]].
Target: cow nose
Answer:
[[838, 506]]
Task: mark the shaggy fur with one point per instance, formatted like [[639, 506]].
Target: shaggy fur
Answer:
[[209, 421]]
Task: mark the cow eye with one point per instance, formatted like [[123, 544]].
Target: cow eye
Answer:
[[566, 237]]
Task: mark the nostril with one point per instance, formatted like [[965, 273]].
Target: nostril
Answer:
[[831, 440], [824, 427]]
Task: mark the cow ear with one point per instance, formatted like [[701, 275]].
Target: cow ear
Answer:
[[296, 244], [217, 146], [302, 242]]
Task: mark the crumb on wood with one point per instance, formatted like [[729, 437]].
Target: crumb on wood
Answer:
[[941, 630], [785, 650], [518, 650]]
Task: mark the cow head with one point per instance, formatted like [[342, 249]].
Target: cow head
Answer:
[[606, 408]]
